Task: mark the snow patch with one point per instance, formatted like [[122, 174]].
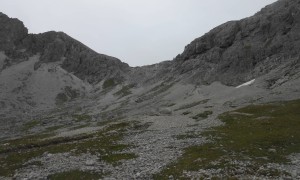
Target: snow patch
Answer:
[[246, 84]]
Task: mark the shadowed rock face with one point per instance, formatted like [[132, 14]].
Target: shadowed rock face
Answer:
[[230, 53], [12, 31]]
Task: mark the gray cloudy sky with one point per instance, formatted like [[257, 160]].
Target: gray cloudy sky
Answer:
[[139, 32]]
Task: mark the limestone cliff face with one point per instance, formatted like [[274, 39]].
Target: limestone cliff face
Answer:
[[241, 50], [77, 58], [12, 32]]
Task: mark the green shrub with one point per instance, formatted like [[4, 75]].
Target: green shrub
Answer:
[[109, 83]]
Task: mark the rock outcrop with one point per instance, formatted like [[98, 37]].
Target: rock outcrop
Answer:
[[77, 58], [12, 32], [235, 51]]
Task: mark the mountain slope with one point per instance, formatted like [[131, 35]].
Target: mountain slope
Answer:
[[36, 69], [85, 63], [218, 110], [239, 51]]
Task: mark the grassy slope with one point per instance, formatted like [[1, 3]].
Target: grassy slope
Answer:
[[103, 143], [251, 138]]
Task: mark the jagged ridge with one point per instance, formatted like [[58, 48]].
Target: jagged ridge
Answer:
[[235, 51], [85, 63]]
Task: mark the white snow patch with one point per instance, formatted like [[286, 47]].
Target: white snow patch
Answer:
[[246, 84]]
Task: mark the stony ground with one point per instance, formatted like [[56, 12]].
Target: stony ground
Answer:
[[130, 139]]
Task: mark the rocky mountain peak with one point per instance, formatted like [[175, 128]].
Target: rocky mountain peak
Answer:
[[12, 32], [231, 52], [53, 46]]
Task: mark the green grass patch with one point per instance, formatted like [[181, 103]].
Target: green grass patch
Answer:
[[202, 115], [61, 98], [109, 83], [76, 175], [247, 46], [163, 87], [79, 126], [82, 117], [186, 112], [169, 104], [54, 128], [257, 134], [125, 91], [157, 90], [35, 163], [104, 143], [115, 158], [187, 136], [29, 125], [71, 93], [193, 104], [137, 126]]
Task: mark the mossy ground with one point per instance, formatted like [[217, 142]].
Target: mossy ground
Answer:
[[104, 143], [82, 117], [125, 91], [61, 98], [255, 135], [54, 128], [76, 175], [186, 112], [109, 83], [155, 91], [202, 115], [193, 104], [29, 125], [159, 89]]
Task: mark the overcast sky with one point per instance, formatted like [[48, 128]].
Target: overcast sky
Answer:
[[139, 32]]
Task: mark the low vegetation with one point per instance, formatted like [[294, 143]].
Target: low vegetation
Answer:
[[109, 83], [76, 175], [82, 117], [29, 125], [202, 115], [186, 112], [251, 138], [125, 91], [68, 94], [163, 87], [193, 104], [188, 135], [54, 128], [103, 143], [71, 93], [157, 90], [169, 104], [61, 98]]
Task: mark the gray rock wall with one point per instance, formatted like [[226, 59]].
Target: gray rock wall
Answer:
[[229, 53]]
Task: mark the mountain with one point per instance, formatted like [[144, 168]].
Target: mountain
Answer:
[[226, 107], [52, 46], [37, 67], [238, 51]]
